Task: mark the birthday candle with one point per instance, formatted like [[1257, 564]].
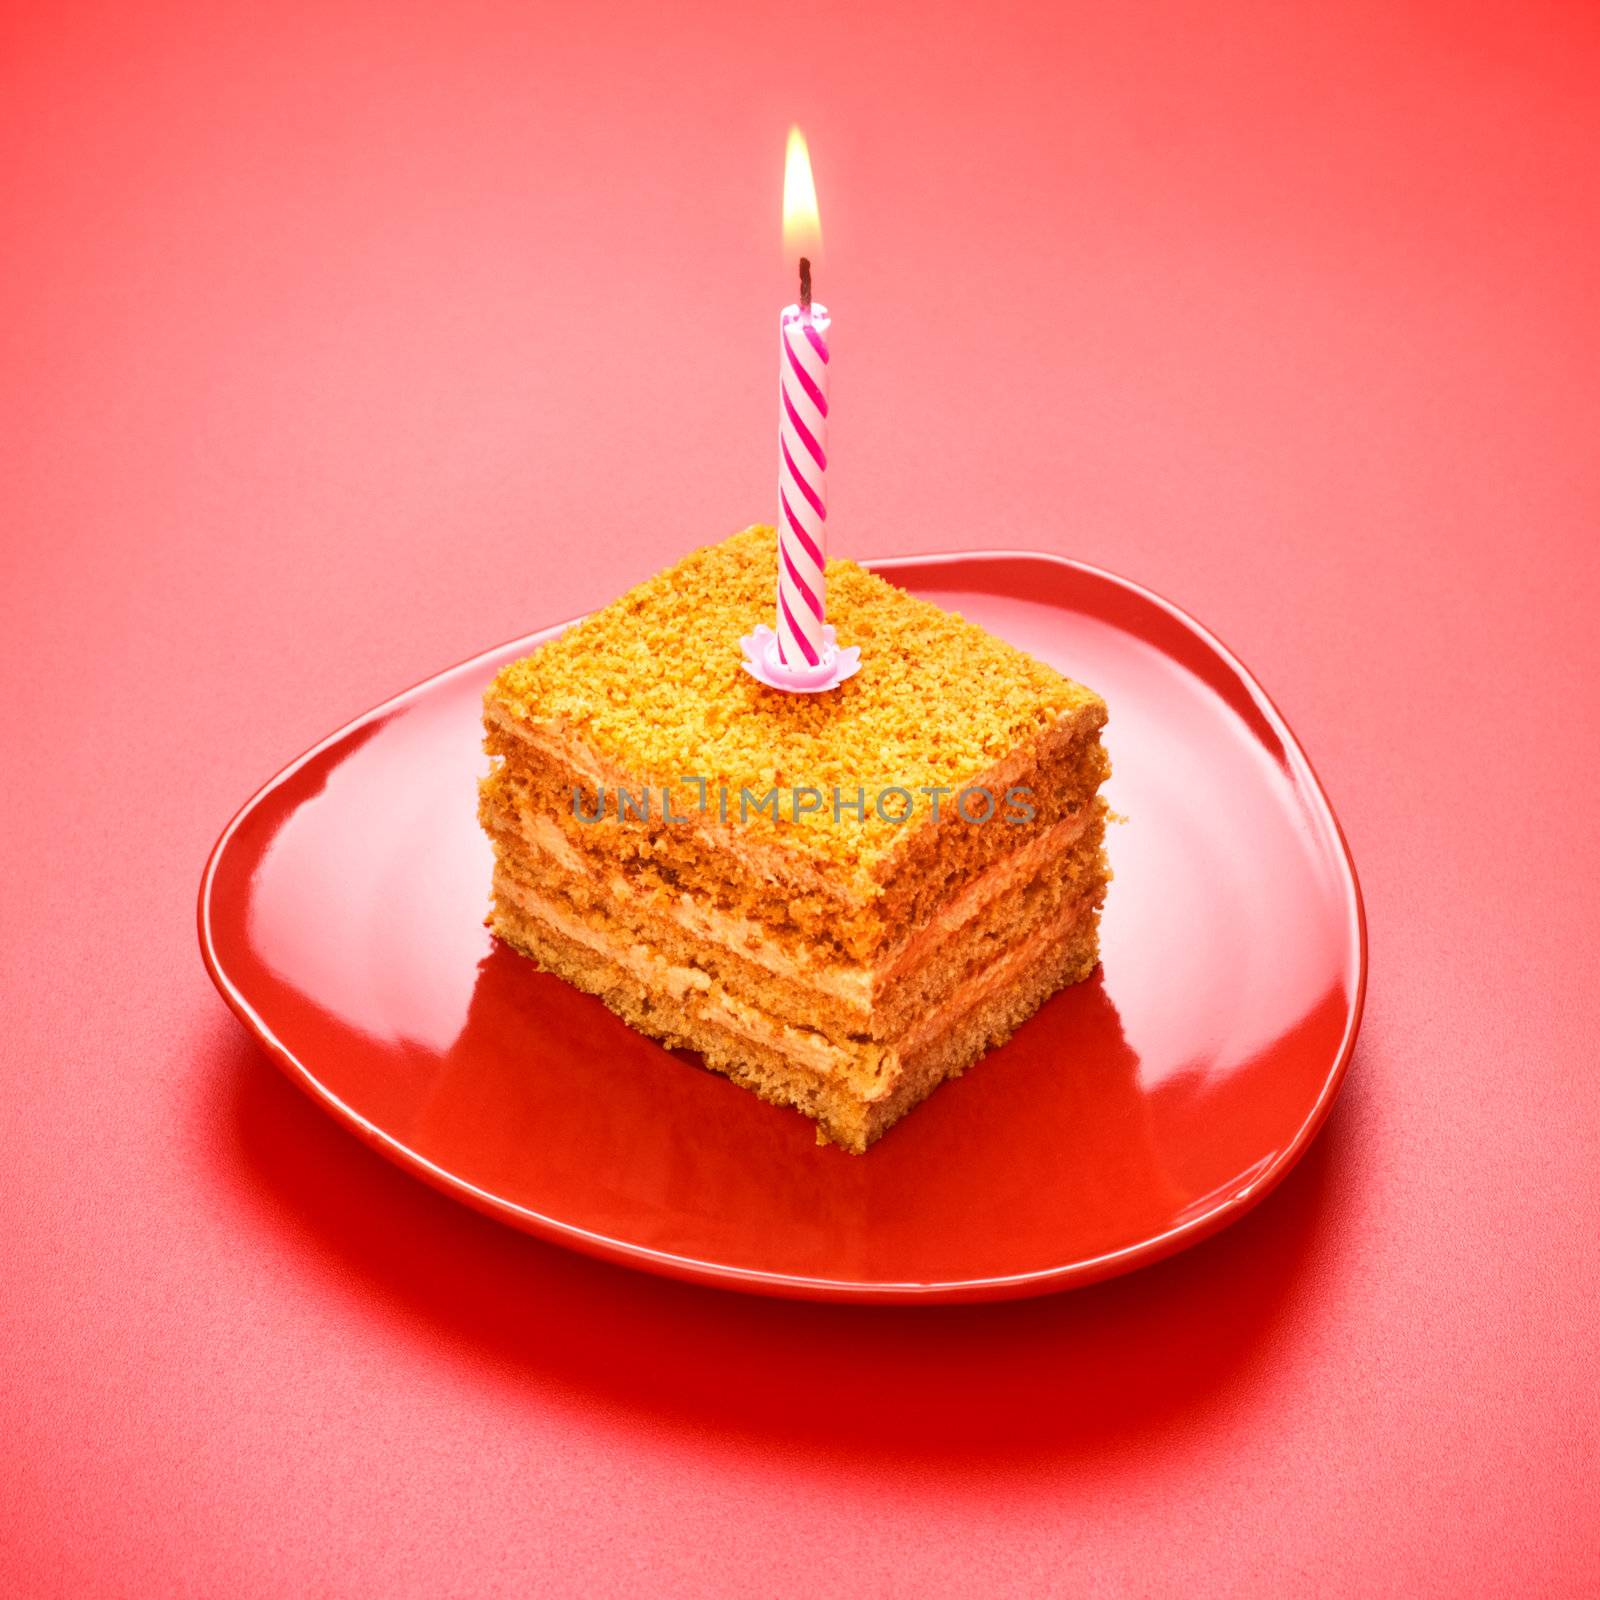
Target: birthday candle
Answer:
[[803, 655], [803, 358], [802, 482]]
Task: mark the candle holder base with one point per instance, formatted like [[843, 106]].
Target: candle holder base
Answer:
[[765, 665]]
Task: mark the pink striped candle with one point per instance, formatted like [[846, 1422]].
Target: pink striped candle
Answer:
[[802, 481], [802, 657]]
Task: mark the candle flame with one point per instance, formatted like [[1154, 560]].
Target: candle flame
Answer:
[[802, 226]]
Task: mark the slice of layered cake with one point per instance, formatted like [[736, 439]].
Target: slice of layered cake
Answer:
[[838, 899]]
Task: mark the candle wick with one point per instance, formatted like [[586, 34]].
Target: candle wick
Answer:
[[805, 285]]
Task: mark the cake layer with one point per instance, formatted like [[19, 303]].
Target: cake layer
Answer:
[[762, 872], [1018, 898], [854, 1090]]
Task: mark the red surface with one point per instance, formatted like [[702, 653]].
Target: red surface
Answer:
[[341, 916], [318, 323]]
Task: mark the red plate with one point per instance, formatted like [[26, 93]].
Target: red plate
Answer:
[[341, 916]]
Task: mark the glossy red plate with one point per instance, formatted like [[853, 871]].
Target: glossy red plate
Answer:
[[341, 915]]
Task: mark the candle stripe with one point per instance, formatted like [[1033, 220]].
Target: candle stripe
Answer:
[[807, 577], [807, 382], [788, 649], [805, 463], [799, 637], [805, 434], [813, 605], [793, 555], [812, 497], [807, 543], [816, 342], [805, 356]]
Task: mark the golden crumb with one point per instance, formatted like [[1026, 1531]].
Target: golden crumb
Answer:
[[654, 685]]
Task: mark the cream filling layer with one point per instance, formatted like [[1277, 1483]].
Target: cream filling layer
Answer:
[[871, 1069], [856, 986], [691, 988]]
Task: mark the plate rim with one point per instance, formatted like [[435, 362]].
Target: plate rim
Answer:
[[1044, 1280]]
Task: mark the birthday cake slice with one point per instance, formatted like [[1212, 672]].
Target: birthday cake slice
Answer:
[[838, 899]]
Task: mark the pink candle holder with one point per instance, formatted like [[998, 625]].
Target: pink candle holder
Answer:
[[764, 663]]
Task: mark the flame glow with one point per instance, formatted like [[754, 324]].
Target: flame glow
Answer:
[[802, 226]]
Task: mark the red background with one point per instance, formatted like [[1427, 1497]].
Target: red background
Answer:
[[342, 342]]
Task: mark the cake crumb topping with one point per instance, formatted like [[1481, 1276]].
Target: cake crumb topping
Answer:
[[654, 684]]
